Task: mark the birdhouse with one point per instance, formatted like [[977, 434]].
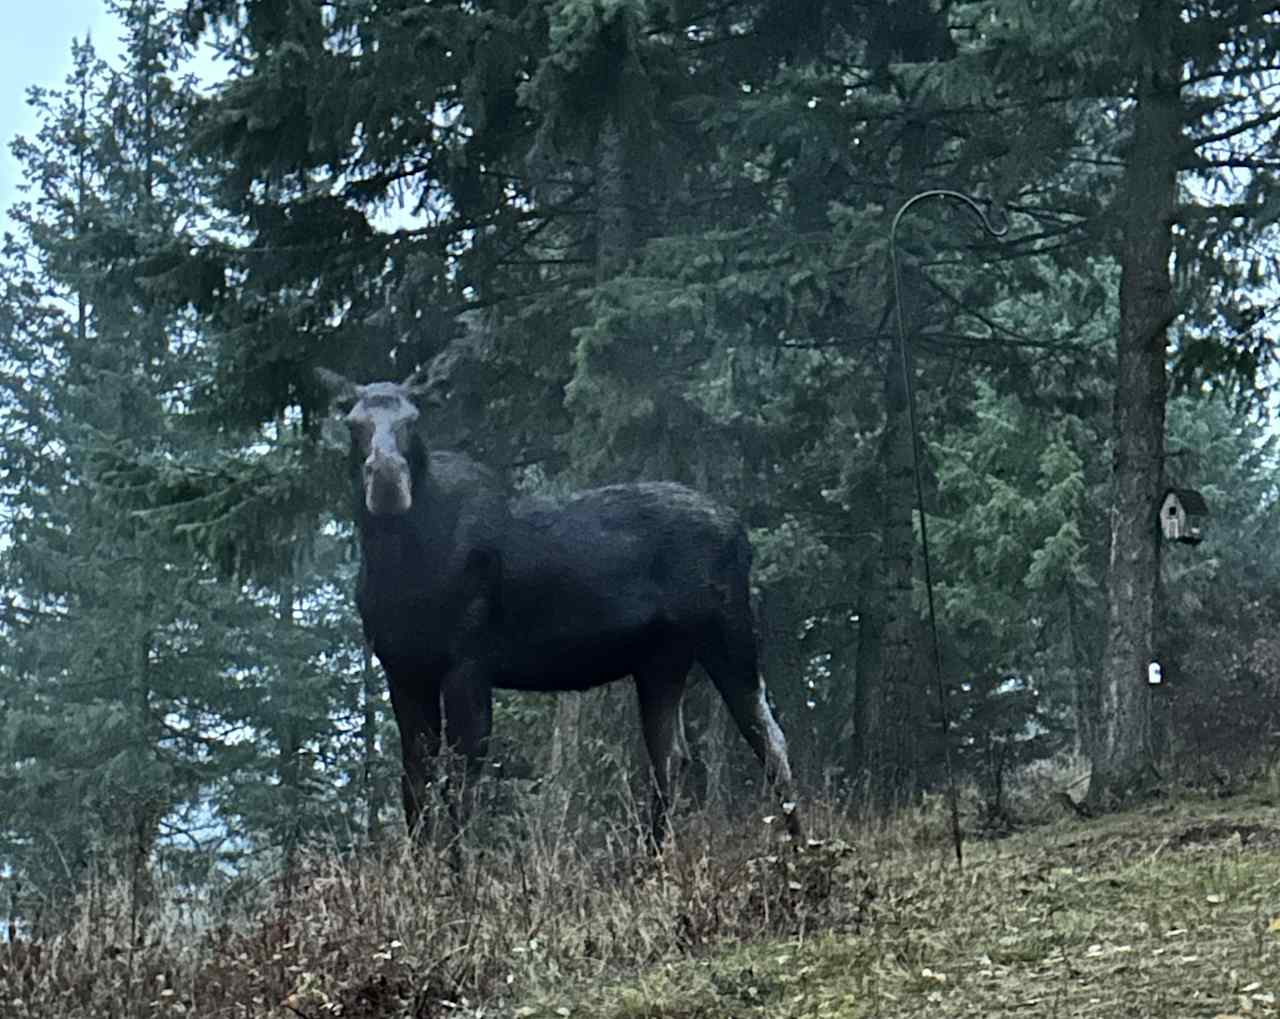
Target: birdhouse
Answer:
[[1182, 514]]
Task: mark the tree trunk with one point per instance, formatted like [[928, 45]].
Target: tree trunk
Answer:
[[142, 807], [562, 762], [1121, 745], [615, 193], [866, 708], [290, 756], [715, 752], [373, 789], [892, 699], [1080, 672]]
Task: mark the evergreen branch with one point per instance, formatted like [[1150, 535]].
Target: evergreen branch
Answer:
[[1023, 247], [1005, 255], [851, 341], [1234, 163], [528, 262], [1011, 336], [194, 736], [381, 181], [1108, 162], [1217, 32], [1237, 129], [211, 836], [522, 241], [975, 340], [1196, 213], [20, 615], [1227, 73], [570, 284]]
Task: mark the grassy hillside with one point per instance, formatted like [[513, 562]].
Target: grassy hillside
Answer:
[[1169, 911], [1172, 910]]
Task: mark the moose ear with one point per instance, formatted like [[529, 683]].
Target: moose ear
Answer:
[[338, 386]]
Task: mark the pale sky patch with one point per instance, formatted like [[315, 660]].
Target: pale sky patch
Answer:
[[35, 49]]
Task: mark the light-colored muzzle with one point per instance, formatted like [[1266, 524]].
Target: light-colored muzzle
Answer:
[[387, 490]]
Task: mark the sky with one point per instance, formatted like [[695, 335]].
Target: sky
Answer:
[[35, 49]]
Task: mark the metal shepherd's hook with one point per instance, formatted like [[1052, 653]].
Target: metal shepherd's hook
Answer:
[[905, 351]]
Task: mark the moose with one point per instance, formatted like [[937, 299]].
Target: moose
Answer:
[[462, 591]]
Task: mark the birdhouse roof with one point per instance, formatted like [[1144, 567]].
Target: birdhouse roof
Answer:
[[1192, 501]]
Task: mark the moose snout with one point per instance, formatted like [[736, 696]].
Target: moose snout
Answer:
[[386, 483]]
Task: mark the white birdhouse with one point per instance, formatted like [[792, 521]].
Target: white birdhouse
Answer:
[[1182, 514]]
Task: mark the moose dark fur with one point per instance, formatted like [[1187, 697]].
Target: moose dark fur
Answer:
[[461, 591]]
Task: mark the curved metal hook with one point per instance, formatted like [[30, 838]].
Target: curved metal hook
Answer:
[[968, 200], [958, 196]]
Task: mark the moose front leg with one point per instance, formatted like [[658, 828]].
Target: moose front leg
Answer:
[[468, 717], [418, 718]]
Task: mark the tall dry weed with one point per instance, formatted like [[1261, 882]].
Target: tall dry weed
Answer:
[[520, 906]]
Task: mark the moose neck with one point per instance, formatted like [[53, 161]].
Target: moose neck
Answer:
[[389, 542]]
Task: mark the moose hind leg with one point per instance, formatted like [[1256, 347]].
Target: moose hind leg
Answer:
[[660, 688], [730, 661]]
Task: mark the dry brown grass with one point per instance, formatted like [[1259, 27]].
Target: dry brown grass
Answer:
[[400, 932], [1170, 911], [1173, 910]]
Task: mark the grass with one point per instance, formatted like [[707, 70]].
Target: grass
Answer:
[[1171, 910], [1168, 911]]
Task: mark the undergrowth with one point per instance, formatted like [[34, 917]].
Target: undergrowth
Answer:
[[1171, 910], [471, 928]]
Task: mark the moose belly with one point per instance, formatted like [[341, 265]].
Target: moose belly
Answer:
[[576, 665]]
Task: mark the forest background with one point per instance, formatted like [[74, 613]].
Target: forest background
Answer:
[[635, 240]]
